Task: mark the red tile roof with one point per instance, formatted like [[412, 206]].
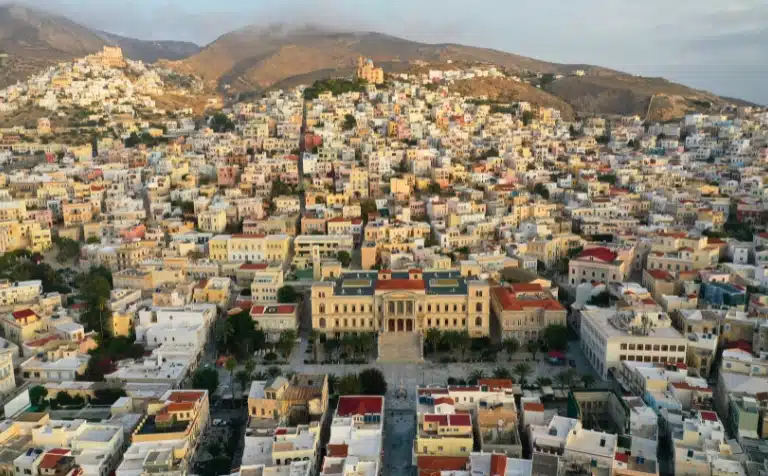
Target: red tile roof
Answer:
[[533, 407], [498, 465], [442, 400], [495, 383], [180, 406], [526, 287], [509, 301], [600, 253], [660, 274], [434, 465], [337, 450], [23, 314], [623, 457], [397, 284], [186, 396], [355, 405], [708, 416], [254, 266], [456, 419], [50, 461]]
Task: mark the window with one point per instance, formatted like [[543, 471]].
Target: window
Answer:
[[479, 307], [478, 321], [623, 346]]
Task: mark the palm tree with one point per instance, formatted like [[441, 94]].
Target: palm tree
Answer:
[[474, 376], [333, 383], [588, 380], [533, 347], [250, 366], [223, 333], [502, 372], [314, 338], [432, 339], [543, 382], [231, 365], [243, 376], [463, 342], [286, 342], [510, 345], [522, 370]]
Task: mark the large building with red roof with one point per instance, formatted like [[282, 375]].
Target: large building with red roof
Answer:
[[598, 264], [400, 305], [525, 310]]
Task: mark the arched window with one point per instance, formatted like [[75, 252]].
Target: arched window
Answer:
[[478, 321], [322, 323], [479, 307]]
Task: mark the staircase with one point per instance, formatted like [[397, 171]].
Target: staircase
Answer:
[[400, 347]]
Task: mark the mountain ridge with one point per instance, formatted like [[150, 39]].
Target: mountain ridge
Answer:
[[253, 58]]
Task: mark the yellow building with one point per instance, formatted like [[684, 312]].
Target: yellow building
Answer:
[[76, 213], [212, 221], [22, 325], [120, 323], [179, 415], [525, 310], [213, 291], [366, 71], [400, 305], [274, 399], [250, 247], [444, 435]]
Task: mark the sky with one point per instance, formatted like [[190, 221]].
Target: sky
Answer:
[[718, 45]]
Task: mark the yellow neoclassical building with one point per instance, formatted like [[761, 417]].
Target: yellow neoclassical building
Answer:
[[400, 306]]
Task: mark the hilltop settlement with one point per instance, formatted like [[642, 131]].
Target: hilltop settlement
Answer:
[[375, 275]]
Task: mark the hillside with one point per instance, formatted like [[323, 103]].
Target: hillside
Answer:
[[34, 40], [151, 51], [659, 99], [261, 57], [506, 90]]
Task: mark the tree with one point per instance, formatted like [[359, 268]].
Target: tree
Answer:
[[434, 188], [603, 299], [522, 370], [286, 342], [313, 339], [287, 294], [206, 379], [432, 339], [565, 378], [333, 383], [556, 337], [533, 347], [372, 382], [220, 122], [588, 380], [250, 366], [540, 189], [243, 377], [222, 333], [195, 255], [349, 385], [510, 345], [349, 122], [93, 240], [37, 394], [474, 376], [367, 207], [280, 188], [68, 249], [231, 365], [501, 372], [344, 258], [527, 117], [463, 343]]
